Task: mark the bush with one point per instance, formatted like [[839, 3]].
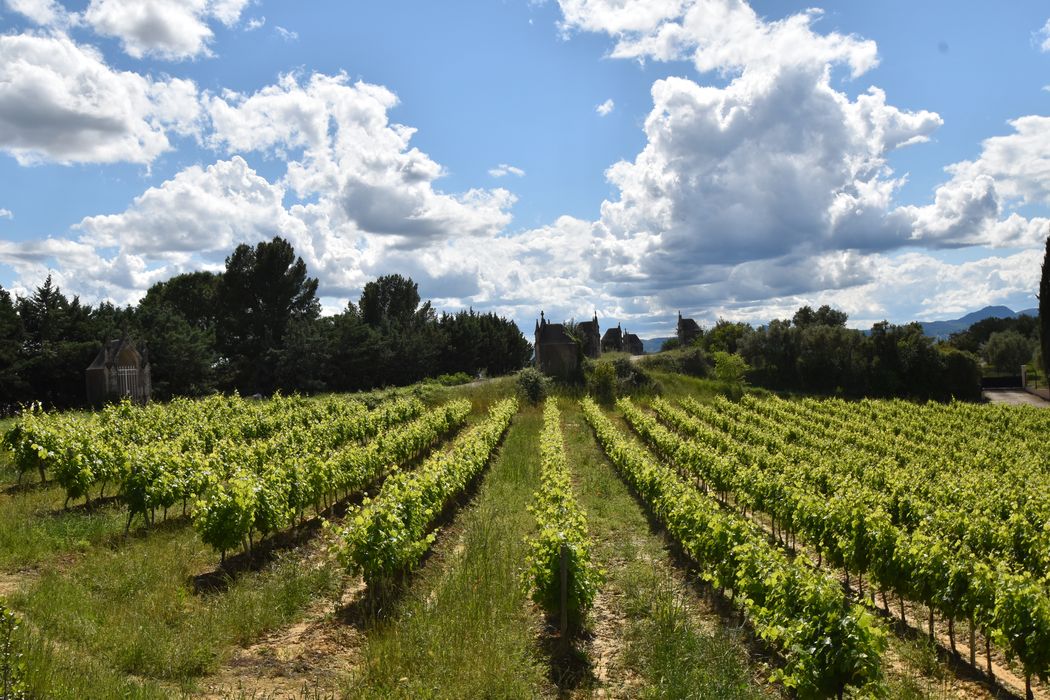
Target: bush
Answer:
[[630, 377], [690, 360], [616, 376], [601, 382], [962, 375], [454, 379], [670, 344], [532, 386], [1006, 351], [730, 368]]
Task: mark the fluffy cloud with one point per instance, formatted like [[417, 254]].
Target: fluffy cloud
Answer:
[[748, 182], [78, 268], [605, 107], [169, 29], [42, 12], [776, 186], [356, 196], [770, 165], [199, 210], [6, 214], [60, 101], [341, 146], [751, 197], [722, 35], [1044, 34], [970, 208]]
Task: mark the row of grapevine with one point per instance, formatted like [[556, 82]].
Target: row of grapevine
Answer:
[[39, 439], [388, 535], [848, 504], [268, 489], [562, 528], [827, 643], [989, 499], [158, 455]]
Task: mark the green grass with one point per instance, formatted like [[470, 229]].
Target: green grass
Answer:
[[110, 617], [665, 641], [135, 608], [34, 528], [53, 672], [463, 628]]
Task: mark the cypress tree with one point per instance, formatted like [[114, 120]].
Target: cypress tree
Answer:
[[1044, 309]]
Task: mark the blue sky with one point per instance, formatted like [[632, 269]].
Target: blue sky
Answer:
[[189, 164]]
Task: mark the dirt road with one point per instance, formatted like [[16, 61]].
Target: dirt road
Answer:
[[1017, 397]]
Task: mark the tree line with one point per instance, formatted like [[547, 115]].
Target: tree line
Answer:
[[256, 327], [814, 352]]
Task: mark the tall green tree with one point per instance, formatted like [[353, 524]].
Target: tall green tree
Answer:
[[1006, 351], [391, 299], [194, 295], [1044, 309], [60, 342], [263, 290], [182, 356], [12, 387]]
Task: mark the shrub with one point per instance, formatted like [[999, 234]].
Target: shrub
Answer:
[[1008, 350], [670, 344], [616, 376], [690, 360], [532, 386], [630, 377], [730, 368], [454, 379], [601, 382]]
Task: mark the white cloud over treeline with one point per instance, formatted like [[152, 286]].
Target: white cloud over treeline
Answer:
[[762, 184]]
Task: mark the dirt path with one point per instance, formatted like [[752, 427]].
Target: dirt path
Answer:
[[12, 583], [1015, 397], [645, 579], [306, 659]]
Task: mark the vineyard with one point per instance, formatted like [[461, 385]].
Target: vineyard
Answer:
[[472, 545]]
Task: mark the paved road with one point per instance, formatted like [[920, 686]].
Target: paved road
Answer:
[[1017, 397]]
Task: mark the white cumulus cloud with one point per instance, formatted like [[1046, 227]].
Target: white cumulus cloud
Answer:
[[340, 145], [60, 101], [169, 29], [200, 209], [605, 107], [1044, 34], [42, 12], [722, 35], [6, 214]]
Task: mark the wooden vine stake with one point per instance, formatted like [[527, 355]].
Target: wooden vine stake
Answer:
[[564, 597]]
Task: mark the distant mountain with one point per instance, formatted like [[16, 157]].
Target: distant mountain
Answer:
[[653, 344], [942, 329]]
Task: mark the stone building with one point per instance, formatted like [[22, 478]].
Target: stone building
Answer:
[[590, 336], [612, 341], [633, 344], [688, 330], [556, 352], [119, 370]]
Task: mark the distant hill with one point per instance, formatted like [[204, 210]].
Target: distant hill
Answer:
[[942, 329], [653, 344]]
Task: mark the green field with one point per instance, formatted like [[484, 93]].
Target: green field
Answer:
[[380, 549]]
